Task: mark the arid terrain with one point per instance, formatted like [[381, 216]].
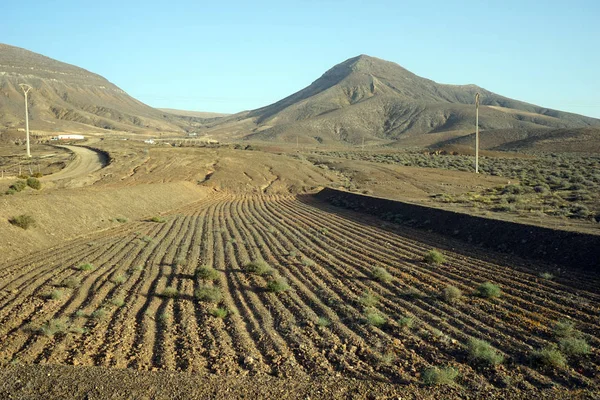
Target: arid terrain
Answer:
[[215, 272]]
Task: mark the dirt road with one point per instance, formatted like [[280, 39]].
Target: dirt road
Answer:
[[85, 162]]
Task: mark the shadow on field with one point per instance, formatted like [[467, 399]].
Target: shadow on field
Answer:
[[577, 278]]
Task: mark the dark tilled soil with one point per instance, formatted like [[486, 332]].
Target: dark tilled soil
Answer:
[[67, 382]]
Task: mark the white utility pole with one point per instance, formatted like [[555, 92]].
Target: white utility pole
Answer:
[[476, 133], [26, 88]]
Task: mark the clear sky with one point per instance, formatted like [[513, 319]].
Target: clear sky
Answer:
[[229, 56]]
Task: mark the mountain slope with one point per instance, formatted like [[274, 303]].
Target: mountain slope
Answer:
[[368, 97], [65, 96]]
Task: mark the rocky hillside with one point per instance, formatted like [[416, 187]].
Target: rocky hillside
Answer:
[[379, 100], [68, 97]]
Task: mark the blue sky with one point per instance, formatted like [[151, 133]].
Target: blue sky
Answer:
[[229, 56]]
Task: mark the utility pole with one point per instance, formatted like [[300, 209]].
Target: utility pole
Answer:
[[476, 133], [26, 88]]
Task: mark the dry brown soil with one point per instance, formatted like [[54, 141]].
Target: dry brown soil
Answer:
[[117, 335]]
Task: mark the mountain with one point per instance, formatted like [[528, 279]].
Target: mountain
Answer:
[[381, 101], [66, 96]]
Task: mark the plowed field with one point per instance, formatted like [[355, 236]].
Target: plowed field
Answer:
[[118, 314]]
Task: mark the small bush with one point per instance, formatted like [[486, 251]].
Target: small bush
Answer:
[[54, 295], [121, 220], [119, 302], [406, 322], [434, 257], [564, 329], [51, 327], [209, 293], [179, 261], [546, 275], [381, 275], [70, 283], [37, 175], [98, 314], [259, 267], [219, 312], [368, 300], [307, 262], [375, 318], [574, 347], [146, 239], [452, 294], [277, 285], [439, 376], [323, 322], [482, 352], [34, 183], [160, 220], [24, 221], [18, 186], [549, 357], [119, 279], [488, 290], [206, 273], [85, 267], [170, 291]]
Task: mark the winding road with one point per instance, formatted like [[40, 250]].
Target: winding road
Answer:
[[86, 161]]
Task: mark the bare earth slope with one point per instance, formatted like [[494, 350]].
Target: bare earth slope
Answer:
[[74, 98]]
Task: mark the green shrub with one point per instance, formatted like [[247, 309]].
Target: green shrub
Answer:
[[85, 267], [23, 221], [482, 352], [99, 314], [368, 299], [37, 175], [564, 328], [439, 376], [121, 220], [259, 267], [549, 357], [51, 327], [70, 283], [574, 347], [488, 290], [307, 262], [54, 295], [170, 291], [277, 285], [118, 301], [160, 220], [146, 239], [18, 186], [381, 275], [434, 257], [406, 322], [219, 312], [375, 318], [34, 183], [452, 294], [546, 275], [208, 293], [323, 322], [119, 279], [206, 273]]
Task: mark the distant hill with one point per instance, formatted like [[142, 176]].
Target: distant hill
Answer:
[[562, 140], [379, 100], [66, 96], [199, 114]]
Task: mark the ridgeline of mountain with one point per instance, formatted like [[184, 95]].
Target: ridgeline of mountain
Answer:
[[379, 100], [66, 96]]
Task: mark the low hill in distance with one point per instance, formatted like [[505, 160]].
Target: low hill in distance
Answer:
[[68, 97], [563, 140]]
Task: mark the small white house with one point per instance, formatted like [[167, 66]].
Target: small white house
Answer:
[[69, 137], [149, 141]]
